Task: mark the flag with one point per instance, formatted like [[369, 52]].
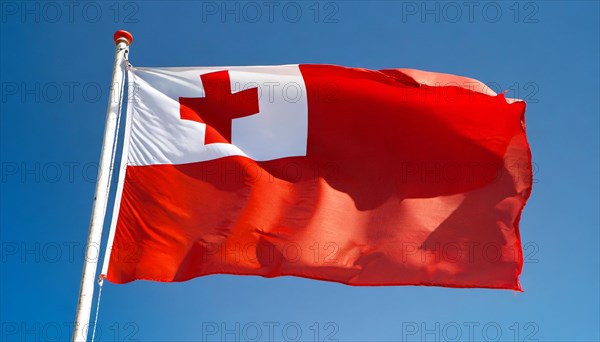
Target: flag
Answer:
[[363, 177]]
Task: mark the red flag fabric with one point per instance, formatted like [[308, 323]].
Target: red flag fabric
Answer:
[[389, 177]]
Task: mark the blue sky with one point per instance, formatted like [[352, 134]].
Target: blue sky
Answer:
[[56, 64]]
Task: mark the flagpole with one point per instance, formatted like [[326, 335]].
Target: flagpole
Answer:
[[88, 278]]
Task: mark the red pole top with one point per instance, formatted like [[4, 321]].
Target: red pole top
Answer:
[[123, 35]]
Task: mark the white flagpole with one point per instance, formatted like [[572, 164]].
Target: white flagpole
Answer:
[[88, 278]]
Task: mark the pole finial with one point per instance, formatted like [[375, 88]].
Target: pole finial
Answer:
[[123, 36]]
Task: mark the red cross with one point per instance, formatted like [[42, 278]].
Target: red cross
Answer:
[[219, 106]]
